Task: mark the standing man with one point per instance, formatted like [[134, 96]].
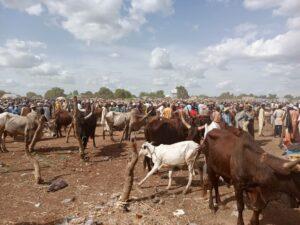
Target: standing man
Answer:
[[261, 120], [278, 116]]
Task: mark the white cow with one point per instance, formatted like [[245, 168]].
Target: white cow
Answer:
[[181, 153], [4, 117]]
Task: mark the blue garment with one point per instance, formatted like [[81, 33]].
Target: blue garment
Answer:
[[227, 119]]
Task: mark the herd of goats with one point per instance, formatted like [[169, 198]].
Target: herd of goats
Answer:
[[228, 153]]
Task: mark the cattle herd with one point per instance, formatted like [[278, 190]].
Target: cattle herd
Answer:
[[201, 142]]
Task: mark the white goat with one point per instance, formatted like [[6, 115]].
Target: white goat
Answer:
[[181, 153]]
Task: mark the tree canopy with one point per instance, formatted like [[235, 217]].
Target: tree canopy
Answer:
[[32, 94], [87, 94], [156, 94], [182, 92], [104, 93], [54, 93], [122, 93]]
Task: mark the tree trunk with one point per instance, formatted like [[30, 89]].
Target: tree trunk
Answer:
[[129, 174]]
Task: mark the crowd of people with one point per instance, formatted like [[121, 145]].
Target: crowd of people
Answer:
[[284, 117]]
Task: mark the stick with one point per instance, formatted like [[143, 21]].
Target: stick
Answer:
[[129, 173]]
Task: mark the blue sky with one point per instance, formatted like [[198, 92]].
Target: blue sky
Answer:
[[209, 46]]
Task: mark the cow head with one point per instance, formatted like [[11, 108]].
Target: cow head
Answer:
[[51, 128]]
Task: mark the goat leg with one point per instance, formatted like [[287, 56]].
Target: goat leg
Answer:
[[170, 179], [190, 168], [154, 169]]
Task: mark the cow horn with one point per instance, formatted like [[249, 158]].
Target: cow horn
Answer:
[[188, 126], [293, 165]]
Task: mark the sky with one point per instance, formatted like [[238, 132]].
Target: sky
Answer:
[[208, 46]]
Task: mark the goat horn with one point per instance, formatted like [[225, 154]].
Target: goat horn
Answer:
[[188, 126], [292, 165]]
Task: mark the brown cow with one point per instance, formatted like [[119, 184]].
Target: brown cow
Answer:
[[238, 159], [62, 118]]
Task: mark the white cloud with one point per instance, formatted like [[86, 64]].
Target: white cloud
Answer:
[[94, 20], [280, 7], [281, 48], [224, 84], [18, 54], [245, 28], [294, 23], [34, 10], [114, 55], [160, 59]]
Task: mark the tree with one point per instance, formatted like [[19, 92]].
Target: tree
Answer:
[[75, 93], [157, 94], [226, 95], [182, 92], [289, 97], [31, 94], [122, 93], [87, 94], [54, 93], [272, 96], [2, 93], [104, 93]]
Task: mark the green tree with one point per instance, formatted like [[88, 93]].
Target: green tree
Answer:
[[87, 94], [122, 93], [272, 96], [156, 94], [54, 93], [227, 95], [2, 93], [182, 92], [289, 97], [104, 93], [31, 94]]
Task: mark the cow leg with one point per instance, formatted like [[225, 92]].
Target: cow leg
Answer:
[[190, 168], [170, 179], [212, 179], [124, 134], [240, 203], [103, 133], [216, 187], [94, 141], [255, 217], [4, 149], [68, 134], [154, 169]]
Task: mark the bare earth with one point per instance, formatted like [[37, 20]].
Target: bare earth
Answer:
[[94, 188]]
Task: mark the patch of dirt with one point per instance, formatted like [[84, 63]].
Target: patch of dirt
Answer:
[[94, 187]]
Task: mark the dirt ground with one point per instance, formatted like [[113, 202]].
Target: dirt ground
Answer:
[[94, 188]]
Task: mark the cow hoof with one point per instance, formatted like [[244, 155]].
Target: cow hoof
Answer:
[[85, 158], [40, 181], [185, 192]]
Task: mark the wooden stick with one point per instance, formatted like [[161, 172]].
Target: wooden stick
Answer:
[[129, 173], [28, 150]]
